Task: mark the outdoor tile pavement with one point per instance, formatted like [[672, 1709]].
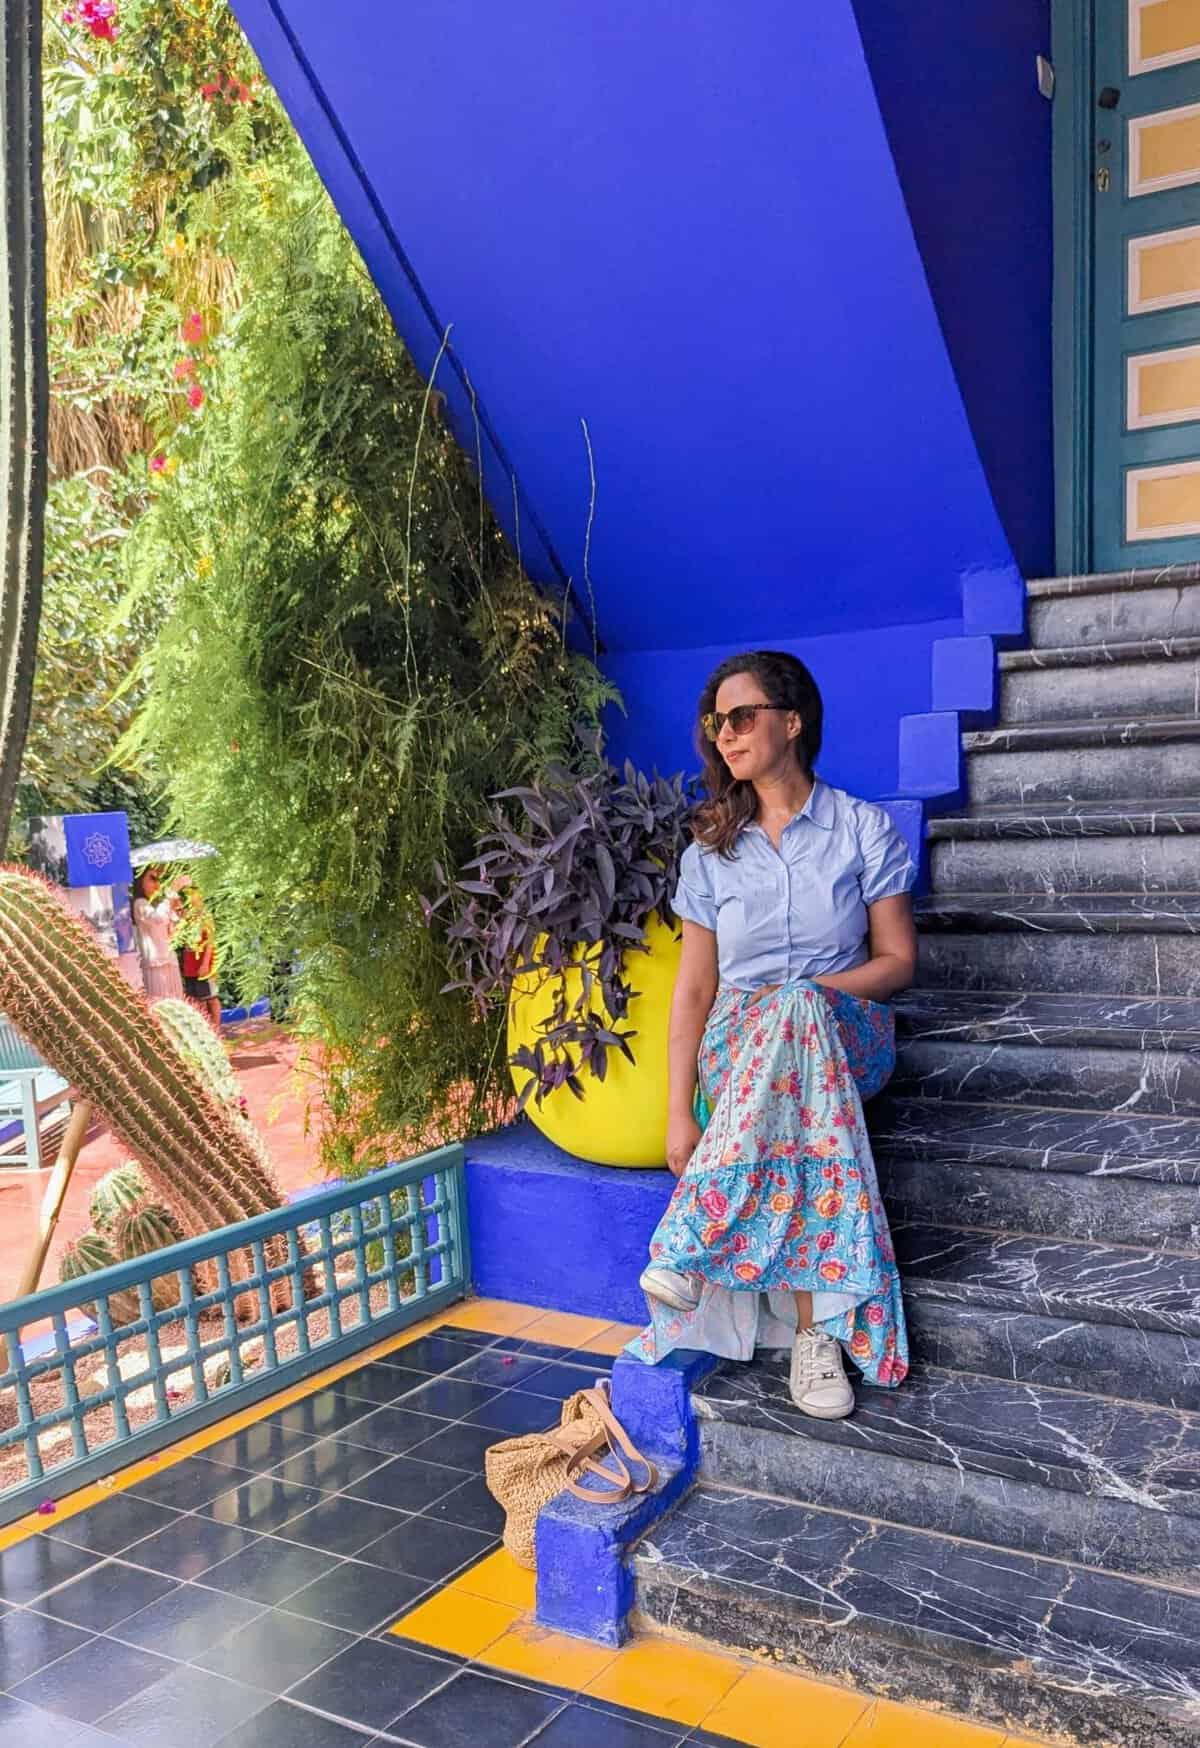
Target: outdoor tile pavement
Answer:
[[331, 1576]]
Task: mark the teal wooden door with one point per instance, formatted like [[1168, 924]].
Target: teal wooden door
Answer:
[[1145, 190]]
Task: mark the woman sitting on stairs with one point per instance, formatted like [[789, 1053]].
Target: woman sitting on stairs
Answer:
[[797, 930]]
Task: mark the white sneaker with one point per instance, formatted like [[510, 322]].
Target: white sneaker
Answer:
[[680, 1292], [819, 1383]]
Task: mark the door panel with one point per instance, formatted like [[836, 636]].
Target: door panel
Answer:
[[1145, 191]]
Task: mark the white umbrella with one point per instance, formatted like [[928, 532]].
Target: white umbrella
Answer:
[[172, 850]]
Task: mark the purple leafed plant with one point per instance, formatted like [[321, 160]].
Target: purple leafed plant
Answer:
[[570, 873]]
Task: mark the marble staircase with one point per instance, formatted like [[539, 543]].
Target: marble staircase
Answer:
[[1015, 1534]]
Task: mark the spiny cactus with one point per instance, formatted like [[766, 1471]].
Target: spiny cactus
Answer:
[[119, 1191], [24, 393], [149, 1228], [70, 1000], [199, 1045], [89, 1253]]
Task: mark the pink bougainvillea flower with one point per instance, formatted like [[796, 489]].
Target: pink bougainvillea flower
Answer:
[[68, 18], [209, 91], [98, 18], [158, 463], [192, 328], [47, 1508], [184, 367], [195, 396]]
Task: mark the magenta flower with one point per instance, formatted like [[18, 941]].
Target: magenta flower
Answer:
[[184, 368], [195, 396], [193, 327], [158, 463]]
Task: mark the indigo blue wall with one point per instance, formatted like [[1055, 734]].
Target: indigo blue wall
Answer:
[[970, 133], [681, 223]]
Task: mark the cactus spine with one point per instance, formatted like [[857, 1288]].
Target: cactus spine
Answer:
[[69, 999], [24, 391], [119, 1192]]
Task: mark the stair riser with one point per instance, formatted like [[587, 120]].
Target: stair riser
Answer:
[[1164, 688], [1053, 1519], [1102, 1358], [1055, 1205], [900, 1664], [1163, 1081], [1084, 773], [1028, 865], [1122, 616], [1023, 960]]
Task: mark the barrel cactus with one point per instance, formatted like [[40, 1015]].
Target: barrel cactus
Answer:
[[89, 1253], [148, 1228], [119, 1192], [24, 392], [199, 1045]]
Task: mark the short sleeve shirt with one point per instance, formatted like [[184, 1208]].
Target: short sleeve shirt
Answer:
[[801, 910]]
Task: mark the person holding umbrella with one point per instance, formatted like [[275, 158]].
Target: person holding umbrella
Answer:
[[155, 914]]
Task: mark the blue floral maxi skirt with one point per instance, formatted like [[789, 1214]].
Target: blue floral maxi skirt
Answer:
[[780, 1195]]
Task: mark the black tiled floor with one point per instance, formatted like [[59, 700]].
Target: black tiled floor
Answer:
[[105, 1595], [340, 1525], [390, 1431], [374, 1681], [434, 1353], [91, 1681], [561, 1381], [515, 1412], [275, 1651], [24, 1726], [259, 1447], [113, 1525], [262, 1504], [189, 1708], [188, 1485], [503, 1370], [287, 1726], [406, 1484], [577, 1727], [473, 1709], [457, 1445], [270, 1570], [190, 1546], [470, 1504], [379, 1383], [449, 1398], [330, 1465], [423, 1547], [357, 1598], [186, 1622], [31, 1568], [322, 1414], [29, 1641]]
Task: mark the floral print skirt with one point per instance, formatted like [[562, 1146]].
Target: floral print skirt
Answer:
[[780, 1195]]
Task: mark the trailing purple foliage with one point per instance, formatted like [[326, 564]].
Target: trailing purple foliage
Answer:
[[570, 875]]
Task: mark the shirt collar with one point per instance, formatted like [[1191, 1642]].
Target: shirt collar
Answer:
[[819, 809]]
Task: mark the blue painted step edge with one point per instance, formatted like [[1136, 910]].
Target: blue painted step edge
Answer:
[[584, 1584]]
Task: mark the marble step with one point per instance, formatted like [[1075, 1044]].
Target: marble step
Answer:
[[1045, 1018], [1096, 846], [1161, 678], [1088, 1209], [1105, 609], [1110, 1484], [1097, 1078], [1031, 1645], [1032, 763], [1095, 943], [1108, 1146]]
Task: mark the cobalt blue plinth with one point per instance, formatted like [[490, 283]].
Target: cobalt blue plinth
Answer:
[[583, 1584], [547, 1229]]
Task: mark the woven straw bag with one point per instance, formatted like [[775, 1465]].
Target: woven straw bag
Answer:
[[523, 1474]]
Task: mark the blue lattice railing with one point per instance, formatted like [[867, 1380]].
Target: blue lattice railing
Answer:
[[115, 1365]]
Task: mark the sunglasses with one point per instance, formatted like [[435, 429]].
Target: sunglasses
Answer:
[[740, 718]]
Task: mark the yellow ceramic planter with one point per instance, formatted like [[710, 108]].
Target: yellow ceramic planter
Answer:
[[622, 1119]]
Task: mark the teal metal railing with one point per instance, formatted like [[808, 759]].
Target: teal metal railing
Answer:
[[170, 1342]]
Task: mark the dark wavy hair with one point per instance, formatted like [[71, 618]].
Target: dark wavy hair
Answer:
[[731, 803]]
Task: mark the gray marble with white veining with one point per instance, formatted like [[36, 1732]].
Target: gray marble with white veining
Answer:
[[1066, 862], [1117, 771], [1081, 655], [1032, 954], [1051, 1645], [1087, 913], [1114, 614], [1154, 683], [1046, 1018], [1070, 819], [1015, 737], [1111, 582], [1028, 1073]]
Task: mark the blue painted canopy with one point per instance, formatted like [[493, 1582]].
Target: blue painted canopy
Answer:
[[681, 223]]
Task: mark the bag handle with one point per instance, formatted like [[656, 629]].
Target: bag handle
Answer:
[[621, 1447]]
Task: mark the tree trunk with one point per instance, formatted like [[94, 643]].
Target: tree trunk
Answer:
[[24, 389]]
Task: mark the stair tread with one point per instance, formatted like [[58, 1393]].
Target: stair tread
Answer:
[[1099, 655], [1147, 1457], [1061, 1624], [1064, 912], [1172, 815], [1050, 1017], [1051, 1277], [1039, 1138], [1112, 582], [1081, 732]]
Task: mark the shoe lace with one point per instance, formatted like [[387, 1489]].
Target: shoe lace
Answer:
[[817, 1357]]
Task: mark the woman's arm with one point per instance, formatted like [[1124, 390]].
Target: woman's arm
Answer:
[[892, 944], [691, 1003]]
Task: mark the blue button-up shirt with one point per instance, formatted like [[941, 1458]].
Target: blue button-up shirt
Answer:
[[801, 910]]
